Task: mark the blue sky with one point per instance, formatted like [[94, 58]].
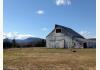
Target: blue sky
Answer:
[[38, 17]]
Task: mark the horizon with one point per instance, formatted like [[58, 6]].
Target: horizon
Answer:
[[36, 18]]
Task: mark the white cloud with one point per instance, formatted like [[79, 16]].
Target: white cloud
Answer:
[[40, 12], [16, 35], [86, 34], [63, 2], [68, 2], [23, 36], [60, 2], [9, 35], [44, 29]]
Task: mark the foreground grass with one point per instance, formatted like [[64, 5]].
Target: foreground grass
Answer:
[[49, 59]]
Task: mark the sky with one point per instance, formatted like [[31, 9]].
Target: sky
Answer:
[[37, 18]]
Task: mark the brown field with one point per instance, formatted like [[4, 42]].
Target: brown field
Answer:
[[49, 59]]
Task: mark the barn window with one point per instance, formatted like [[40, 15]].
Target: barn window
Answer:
[[58, 30]]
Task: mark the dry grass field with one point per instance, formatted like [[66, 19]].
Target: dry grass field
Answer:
[[49, 59]]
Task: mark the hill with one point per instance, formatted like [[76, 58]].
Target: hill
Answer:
[[28, 42]]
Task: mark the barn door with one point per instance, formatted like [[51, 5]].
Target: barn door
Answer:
[[52, 44], [56, 44], [85, 45], [59, 44]]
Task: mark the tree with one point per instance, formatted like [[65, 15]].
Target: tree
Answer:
[[14, 43], [7, 44]]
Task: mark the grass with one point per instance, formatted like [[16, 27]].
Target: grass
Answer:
[[49, 59]]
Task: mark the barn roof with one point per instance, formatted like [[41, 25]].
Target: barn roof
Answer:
[[68, 30]]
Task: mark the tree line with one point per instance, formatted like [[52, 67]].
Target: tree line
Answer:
[[14, 44]]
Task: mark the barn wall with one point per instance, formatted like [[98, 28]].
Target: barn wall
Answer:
[[68, 42], [91, 44], [53, 39], [78, 44]]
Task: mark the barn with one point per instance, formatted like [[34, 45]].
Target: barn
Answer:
[[64, 37]]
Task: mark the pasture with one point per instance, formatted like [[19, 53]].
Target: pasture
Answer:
[[49, 59]]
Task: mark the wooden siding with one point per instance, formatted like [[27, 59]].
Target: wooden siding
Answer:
[[67, 38], [58, 40]]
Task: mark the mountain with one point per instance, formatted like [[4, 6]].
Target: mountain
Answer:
[[32, 41], [28, 42]]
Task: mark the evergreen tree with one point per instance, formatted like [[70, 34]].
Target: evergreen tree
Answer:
[[14, 43]]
